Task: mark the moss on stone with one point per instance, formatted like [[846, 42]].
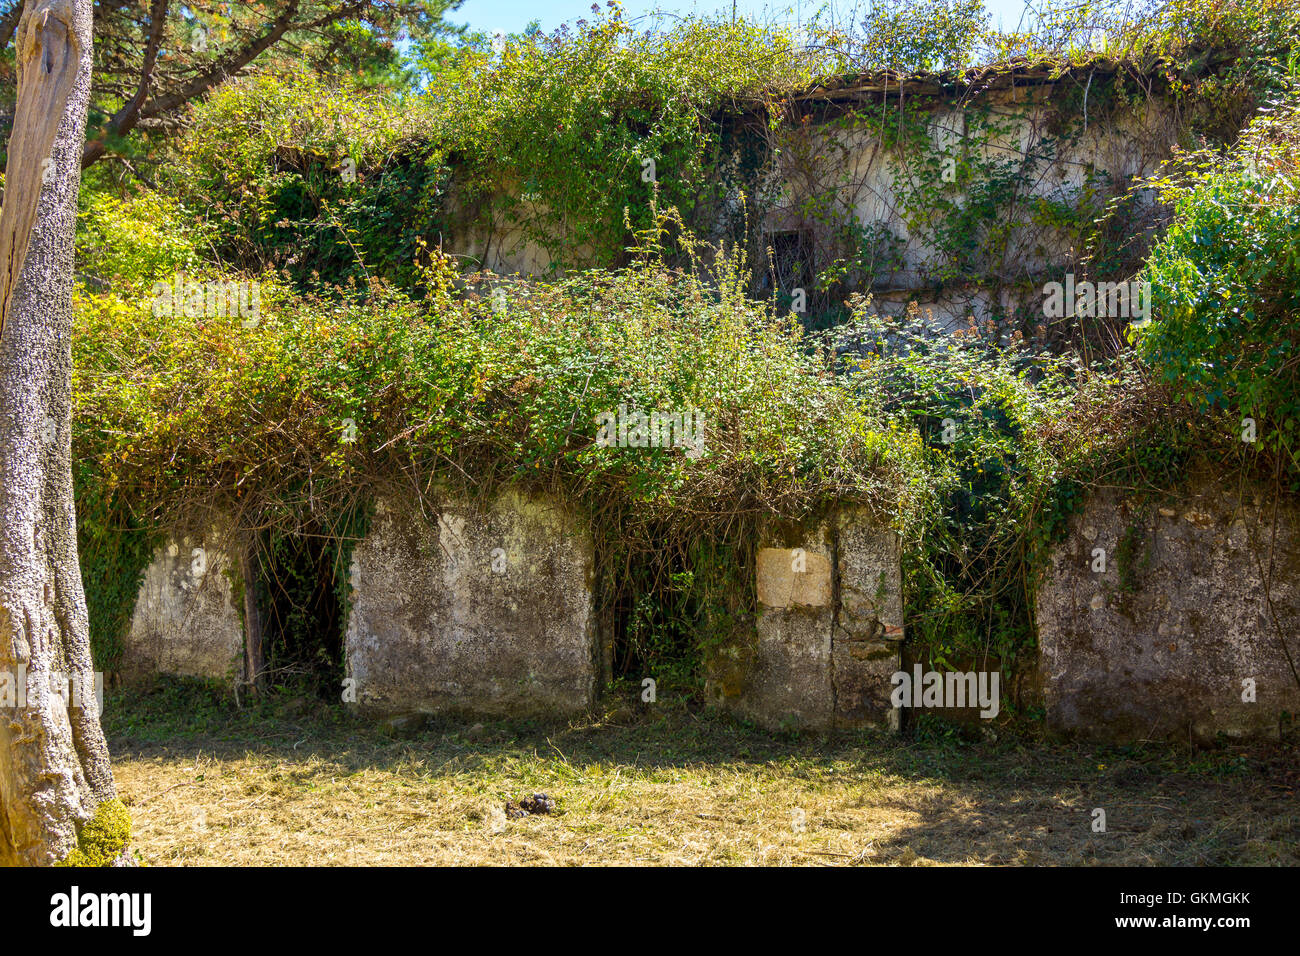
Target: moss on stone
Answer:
[[102, 839]]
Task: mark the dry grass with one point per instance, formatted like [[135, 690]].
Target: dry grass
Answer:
[[300, 783]]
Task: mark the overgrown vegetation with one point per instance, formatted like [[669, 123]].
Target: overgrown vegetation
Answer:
[[636, 161], [320, 402], [1226, 283]]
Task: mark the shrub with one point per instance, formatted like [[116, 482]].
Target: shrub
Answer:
[[175, 414], [1226, 285], [124, 241]]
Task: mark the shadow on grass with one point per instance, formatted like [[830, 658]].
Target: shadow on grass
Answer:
[[181, 716], [956, 794]]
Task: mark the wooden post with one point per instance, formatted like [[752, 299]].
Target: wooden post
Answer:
[[47, 53], [254, 663]]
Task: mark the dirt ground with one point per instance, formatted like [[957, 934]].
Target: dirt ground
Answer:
[[295, 781]]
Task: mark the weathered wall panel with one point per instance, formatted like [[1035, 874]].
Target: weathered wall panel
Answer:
[[185, 620], [484, 611], [1160, 643], [828, 631]]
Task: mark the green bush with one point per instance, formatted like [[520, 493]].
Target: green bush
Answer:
[[175, 414], [298, 174], [553, 138], [130, 239], [1226, 286], [166, 404], [1008, 430]]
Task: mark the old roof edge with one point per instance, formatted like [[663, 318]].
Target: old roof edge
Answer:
[[1004, 73]]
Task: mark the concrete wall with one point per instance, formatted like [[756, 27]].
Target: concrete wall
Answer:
[[481, 610], [843, 167], [186, 621], [505, 243], [1160, 642], [870, 182], [828, 631], [1156, 618]]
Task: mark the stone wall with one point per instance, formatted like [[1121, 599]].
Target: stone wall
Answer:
[[869, 176], [1156, 618], [1164, 641], [185, 620], [828, 631], [863, 181], [469, 609]]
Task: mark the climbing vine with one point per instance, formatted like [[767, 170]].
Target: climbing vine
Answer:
[[803, 164]]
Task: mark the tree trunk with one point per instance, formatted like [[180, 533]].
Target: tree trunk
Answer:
[[54, 769]]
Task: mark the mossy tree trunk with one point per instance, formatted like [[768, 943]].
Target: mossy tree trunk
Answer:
[[54, 769]]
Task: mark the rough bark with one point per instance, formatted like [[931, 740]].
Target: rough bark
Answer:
[[54, 768], [47, 57]]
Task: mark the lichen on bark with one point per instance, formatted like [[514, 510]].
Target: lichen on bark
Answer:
[[104, 838]]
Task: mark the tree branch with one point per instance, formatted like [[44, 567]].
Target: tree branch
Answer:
[[139, 110], [126, 118], [9, 23], [227, 66]]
